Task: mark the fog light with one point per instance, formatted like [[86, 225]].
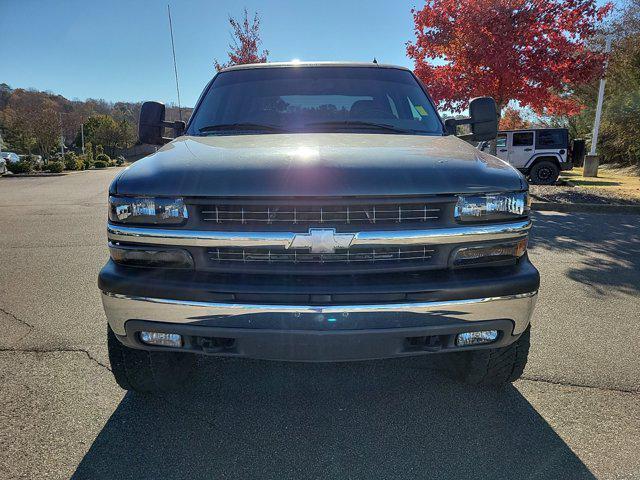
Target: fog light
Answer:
[[476, 338], [161, 339], [143, 256]]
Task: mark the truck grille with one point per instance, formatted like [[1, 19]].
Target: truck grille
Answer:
[[309, 215], [295, 252], [301, 256]]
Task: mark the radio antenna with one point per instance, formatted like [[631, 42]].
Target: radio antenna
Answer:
[[175, 68]]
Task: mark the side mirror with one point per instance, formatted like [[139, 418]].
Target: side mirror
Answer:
[[151, 124], [483, 120]]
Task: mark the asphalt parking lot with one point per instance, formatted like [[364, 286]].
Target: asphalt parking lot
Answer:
[[575, 415]]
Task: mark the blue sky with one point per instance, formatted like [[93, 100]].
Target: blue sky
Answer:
[[120, 50]]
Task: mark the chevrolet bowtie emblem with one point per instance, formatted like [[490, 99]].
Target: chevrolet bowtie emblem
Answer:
[[322, 240]]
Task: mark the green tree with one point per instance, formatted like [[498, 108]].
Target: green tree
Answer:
[[620, 141], [104, 130], [620, 126]]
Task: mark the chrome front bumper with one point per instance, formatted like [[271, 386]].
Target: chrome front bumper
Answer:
[[318, 333], [122, 308]]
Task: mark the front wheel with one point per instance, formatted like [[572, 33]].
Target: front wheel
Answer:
[[147, 372], [490, 367], [544, 173]]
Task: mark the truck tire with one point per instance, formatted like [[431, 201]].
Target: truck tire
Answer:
[[147, 372], [545, 172], [490, 367]]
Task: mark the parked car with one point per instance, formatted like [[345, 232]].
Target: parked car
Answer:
[[541, 154], [5, 159], [10, 156], [317, 212]]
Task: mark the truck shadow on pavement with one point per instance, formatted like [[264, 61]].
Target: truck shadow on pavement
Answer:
[[608, 246], [395, 419]]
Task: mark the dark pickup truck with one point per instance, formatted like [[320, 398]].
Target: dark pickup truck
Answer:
[[317, 212]]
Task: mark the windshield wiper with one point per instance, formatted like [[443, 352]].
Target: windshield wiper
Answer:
[[241, 126], [358, 124]]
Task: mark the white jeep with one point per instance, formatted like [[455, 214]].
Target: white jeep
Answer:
[[540, 154]]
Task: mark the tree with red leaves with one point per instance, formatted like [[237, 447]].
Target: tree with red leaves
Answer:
[[530, 51], [246, 40]]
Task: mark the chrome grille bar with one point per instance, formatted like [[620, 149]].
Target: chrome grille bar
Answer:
[[382, 238]]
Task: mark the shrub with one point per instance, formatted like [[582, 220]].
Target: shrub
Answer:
[[55, 167], [100, 164], [85, 161], [99, 151], [19, 167], [120, 160], [89, 149], [79, 164], [103, 157], [70, 161]]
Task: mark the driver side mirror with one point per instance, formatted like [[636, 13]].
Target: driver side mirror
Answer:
[[483, 119], [151, 124]]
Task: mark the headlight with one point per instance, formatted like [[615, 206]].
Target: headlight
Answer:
[[147, 210], [492, 206]]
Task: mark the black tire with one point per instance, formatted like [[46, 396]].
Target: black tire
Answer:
[[544, 173], [147, 372], [490, 367]]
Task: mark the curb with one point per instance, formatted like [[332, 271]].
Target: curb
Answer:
[[585, 207], [61, 174], [32, 175]]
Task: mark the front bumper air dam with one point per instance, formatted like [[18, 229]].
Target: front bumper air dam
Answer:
[[318, 333]]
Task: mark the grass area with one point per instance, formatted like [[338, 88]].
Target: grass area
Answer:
[[610, 181]]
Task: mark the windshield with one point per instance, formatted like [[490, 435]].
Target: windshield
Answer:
[[315, 99]]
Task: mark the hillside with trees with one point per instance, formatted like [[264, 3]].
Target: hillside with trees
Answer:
[[32, 122]]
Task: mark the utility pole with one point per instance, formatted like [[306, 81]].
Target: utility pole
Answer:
[[61, 137], [82, 135], [592, 161]]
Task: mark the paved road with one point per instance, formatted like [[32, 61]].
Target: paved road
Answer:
[[576, 415]]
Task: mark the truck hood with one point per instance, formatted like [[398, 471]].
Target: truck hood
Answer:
[[317, 164]]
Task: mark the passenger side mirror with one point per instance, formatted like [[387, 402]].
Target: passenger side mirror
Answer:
[[483, 120], [151, 124]]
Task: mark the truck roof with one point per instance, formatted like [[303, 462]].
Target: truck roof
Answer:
[[532, 129], [310, 64]]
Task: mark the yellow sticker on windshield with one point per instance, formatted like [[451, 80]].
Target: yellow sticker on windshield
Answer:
[[421, 110]]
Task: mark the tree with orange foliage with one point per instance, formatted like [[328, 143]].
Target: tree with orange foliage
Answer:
[[246, 42], [532, 51], [512, 120]]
